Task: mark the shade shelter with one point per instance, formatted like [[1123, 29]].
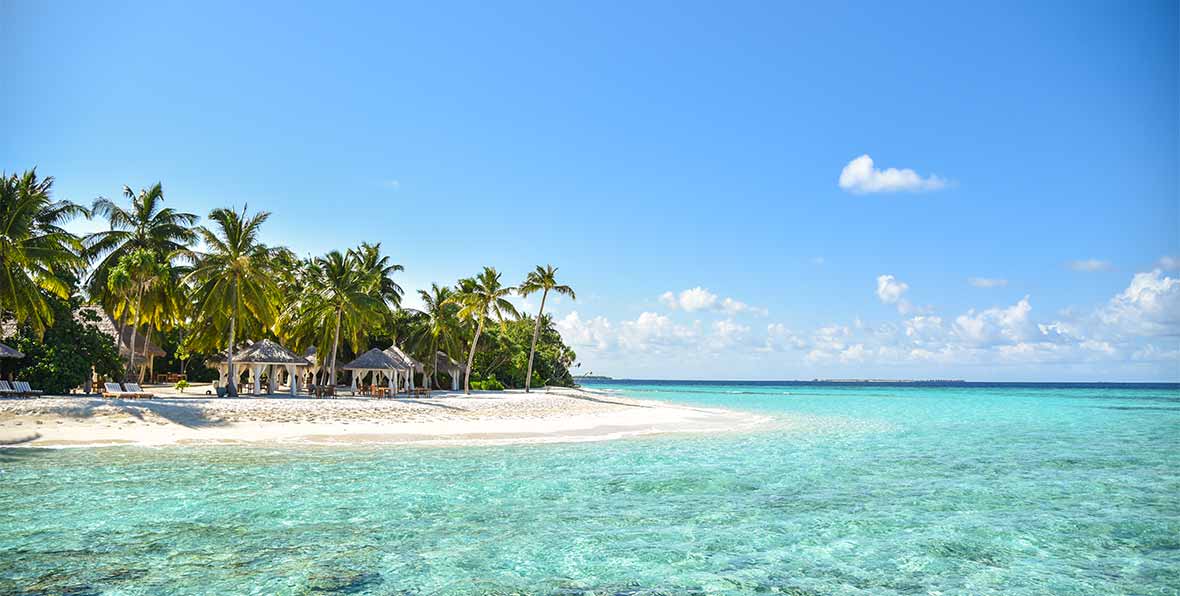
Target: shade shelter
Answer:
[[409, 365], [378, 362], [7, 352], [270, 356], [453, 369]]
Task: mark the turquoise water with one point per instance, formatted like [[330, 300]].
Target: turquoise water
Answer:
[[859, 490]]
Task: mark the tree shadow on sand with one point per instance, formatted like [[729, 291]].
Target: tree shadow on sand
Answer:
[[188, 415]]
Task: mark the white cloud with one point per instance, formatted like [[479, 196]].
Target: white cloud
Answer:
[[987, 282], [1168, 263], [690, 300], [729, 331], [1150, 306], [890, 289], [1089, 265], [860, 177], [596, 334], [995, 325], [698, 299]]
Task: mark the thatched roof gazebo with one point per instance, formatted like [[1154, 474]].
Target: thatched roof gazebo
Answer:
[[453, 369], [269, 355], [408, 363], [9, 352], [377, 362]]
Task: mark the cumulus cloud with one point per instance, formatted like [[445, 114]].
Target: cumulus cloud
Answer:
[[1168, 263], [987, 282], [860, 176], [1150, 306], [1089, 265], [995, 325], [890, 289], [699, 299]]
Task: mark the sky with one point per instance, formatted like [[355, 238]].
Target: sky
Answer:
[[748, 190]]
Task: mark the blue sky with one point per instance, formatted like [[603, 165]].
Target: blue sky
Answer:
[[647, 148]]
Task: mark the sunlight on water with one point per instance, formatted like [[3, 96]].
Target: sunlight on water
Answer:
[[867, 490]]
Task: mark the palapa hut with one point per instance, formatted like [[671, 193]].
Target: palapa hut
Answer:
[[265, 355], [143, 348], [446, 364], [409, 365], [9, 352], [379, 363]]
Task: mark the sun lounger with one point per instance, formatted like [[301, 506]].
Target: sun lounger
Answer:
[[113, 390], [24, 389], [6, 390], [137, 390]]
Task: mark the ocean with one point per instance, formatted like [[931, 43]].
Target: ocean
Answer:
[[853, 489]]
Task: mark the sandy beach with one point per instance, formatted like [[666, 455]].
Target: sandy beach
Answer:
[[555, 415]]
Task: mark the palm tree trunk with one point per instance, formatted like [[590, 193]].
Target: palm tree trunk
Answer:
[[134, 329], [471, 358], [335, 346], [231, 386], [528, 378], [143, 353]]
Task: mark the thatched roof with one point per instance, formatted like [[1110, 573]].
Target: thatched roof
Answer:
[[107, 325], [407, 362], [7, 352], [375, 359], [269, 352], [444, 362]]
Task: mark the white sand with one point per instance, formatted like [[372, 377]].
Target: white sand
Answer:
[[446, 418]]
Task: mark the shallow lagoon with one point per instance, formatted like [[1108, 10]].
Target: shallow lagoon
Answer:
[[858, 490]]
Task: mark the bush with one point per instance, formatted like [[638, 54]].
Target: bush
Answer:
[[181, 385], [491, 384]]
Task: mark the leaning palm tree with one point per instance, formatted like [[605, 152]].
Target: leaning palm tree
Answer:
[[233, 281], [340, 295], [441, 331], [147, 224], [36, 253], [544, 280], [478, 298]]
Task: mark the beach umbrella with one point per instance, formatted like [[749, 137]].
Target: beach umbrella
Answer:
[[7, 352]]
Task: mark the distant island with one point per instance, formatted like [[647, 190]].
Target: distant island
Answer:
[[592, 378]]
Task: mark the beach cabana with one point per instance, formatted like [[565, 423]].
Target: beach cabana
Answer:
[[7, 352], [455, 370], [270, 356], [378, 362], [409, 365]]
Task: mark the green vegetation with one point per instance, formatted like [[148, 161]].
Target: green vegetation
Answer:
[[145, 270]]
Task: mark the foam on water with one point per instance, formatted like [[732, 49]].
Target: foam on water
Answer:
[[853, 490]]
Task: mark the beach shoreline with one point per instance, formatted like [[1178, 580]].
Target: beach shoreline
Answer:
[[447, 418]]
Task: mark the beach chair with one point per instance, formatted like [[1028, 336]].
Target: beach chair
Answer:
[[137, 390], [7, 391], [114, 391], [24, 388]]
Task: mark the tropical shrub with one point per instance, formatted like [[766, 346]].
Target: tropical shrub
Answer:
[[491, 384]]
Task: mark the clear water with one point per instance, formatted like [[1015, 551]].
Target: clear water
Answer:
[[861, 490]]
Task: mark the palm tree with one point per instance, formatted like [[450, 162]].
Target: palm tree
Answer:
[[441, 331], [146, 225], [369, 258], [544, 280], [36, 253], [341, 295], [233, 281], [479, 298], [135, 274]]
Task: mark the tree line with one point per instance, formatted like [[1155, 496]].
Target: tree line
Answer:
[[206, 288]]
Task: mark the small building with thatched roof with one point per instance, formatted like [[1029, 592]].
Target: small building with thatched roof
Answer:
[[446, 364], [377, 362], [10, 352], [408, 364], [145, 351], [263, 355]]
